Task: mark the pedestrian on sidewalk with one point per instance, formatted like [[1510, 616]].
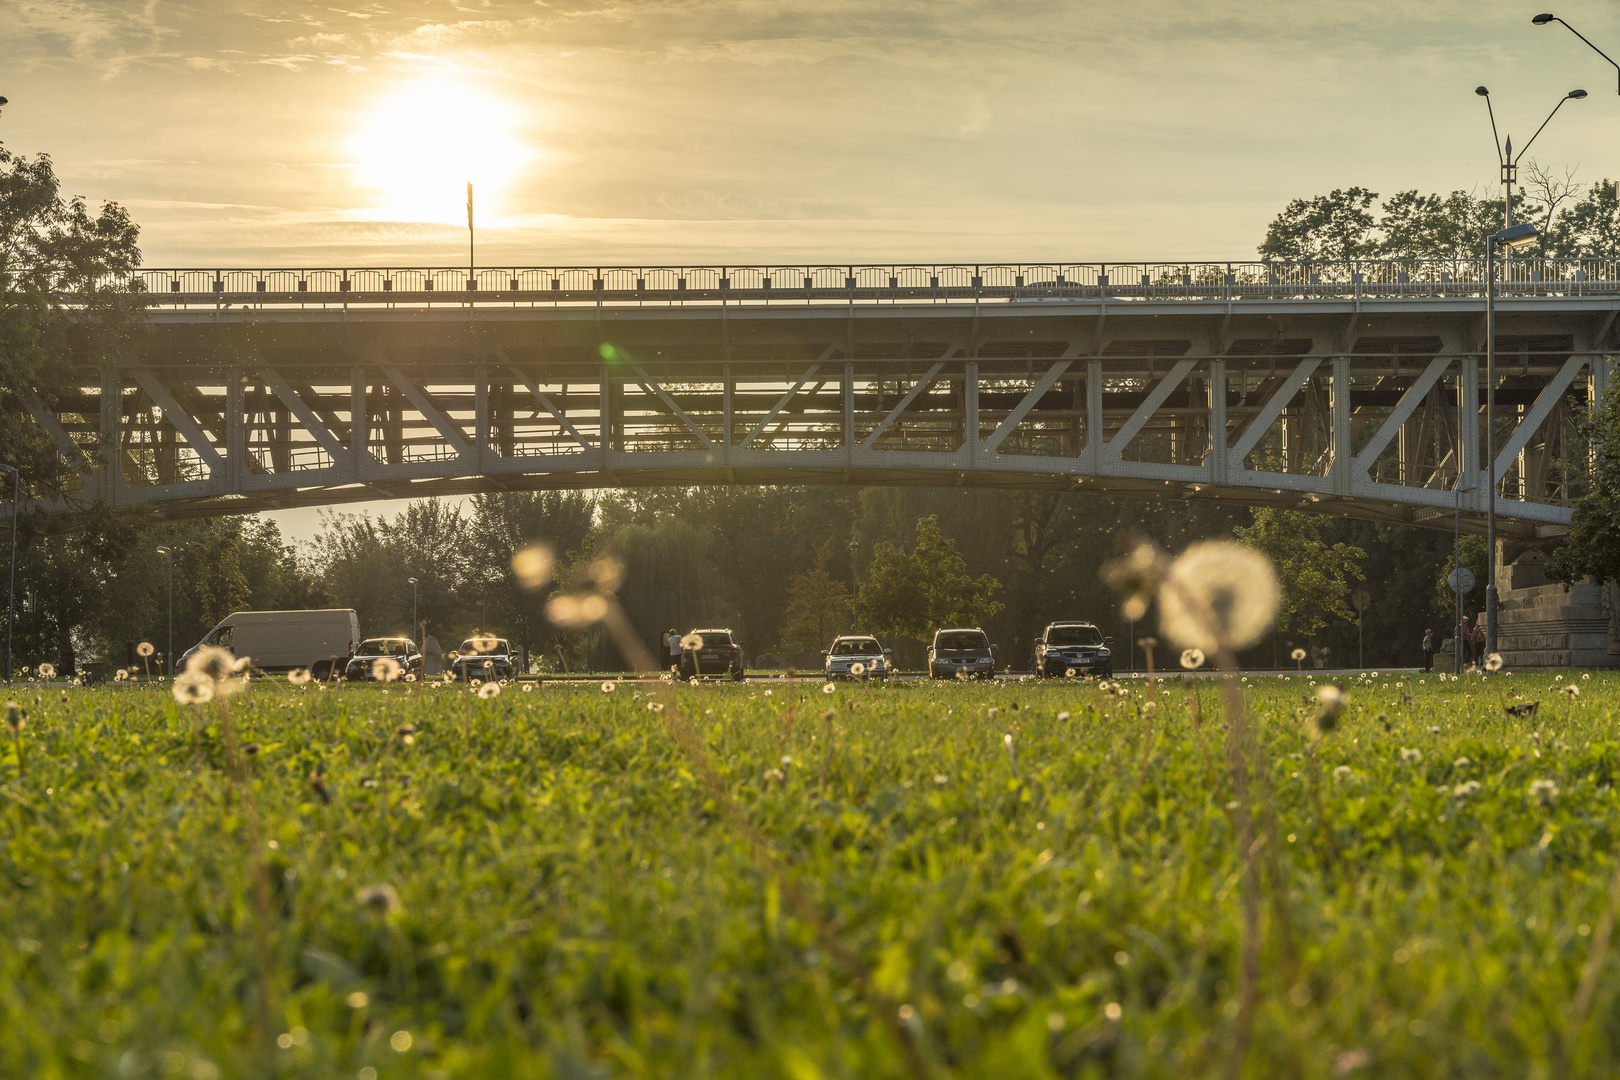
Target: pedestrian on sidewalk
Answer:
[[1428, 650]]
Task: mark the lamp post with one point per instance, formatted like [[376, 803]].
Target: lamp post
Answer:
[[11, 590], [1508, 159], [1539, 20], [1512, 237], [168, 557], [854, 583], [413, 608]]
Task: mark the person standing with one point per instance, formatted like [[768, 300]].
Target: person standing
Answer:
[[1463, 642], [1477, 640], [1428, 650], [672, 647]]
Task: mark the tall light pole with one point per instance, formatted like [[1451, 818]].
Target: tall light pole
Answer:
[[854, 584], [1539, 20], [168, 557], [1512, 237], [1508, 159], [413, 609], [11, 590]]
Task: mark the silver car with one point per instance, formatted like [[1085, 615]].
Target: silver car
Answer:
[[852, 649]]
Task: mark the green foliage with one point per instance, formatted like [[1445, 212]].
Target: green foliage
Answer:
[[1591, 548], [1337, 226], [49, 246], [819, 605], [912, 594], [1591, 226], [1315, 576], [222, 585], [562, 893]]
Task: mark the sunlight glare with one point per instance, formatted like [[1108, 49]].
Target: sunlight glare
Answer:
[[416, 150]]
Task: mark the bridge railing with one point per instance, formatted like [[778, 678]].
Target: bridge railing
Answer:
[[911, 283]]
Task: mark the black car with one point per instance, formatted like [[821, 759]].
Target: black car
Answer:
[[488, 659], [1077, 647], [377, 658], [961, 653], [711, 652]]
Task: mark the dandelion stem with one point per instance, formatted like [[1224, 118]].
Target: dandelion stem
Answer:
[[1596, 955], [236, 769]]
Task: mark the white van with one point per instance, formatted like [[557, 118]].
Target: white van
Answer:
[[284, 640]]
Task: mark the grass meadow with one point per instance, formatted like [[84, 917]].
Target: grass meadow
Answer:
[[1009, 880]]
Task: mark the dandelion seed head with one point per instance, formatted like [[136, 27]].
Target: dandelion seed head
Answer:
[[1136, 574], [385, 669], [1218, 594], [46, 671], [828, 688], [1297, 654], [1411, 755], [489, 690], [190, 688], [211, 663], [1493, 662], [691, 642], [299, 676], [607, 688], [857, 669], [1192, 659], [144, 649], [607, 574]]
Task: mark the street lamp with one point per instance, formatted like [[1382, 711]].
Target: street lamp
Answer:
[[1511, 238], [854, 583], [168, 557], [1508, 159], [11, 590], [413, 608], [1539, 20]]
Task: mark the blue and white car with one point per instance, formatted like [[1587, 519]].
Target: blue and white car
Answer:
[[852, 649]]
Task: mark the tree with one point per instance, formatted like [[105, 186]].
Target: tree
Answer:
[[1337, 226], [1453, 226], [1315, 576], [913, 593], [818, 604], [1591, 548], [1591, 227], [223, 586], [503, 524], [50, 246]]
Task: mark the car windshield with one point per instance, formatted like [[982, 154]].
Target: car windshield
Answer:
[[384, 647], [490, 646], [1073, 635], [962, 641], [856, 646], [713, 639]]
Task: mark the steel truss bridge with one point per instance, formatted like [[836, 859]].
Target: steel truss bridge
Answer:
[[1351, 388]]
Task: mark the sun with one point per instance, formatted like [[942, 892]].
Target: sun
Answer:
[[417, 148]]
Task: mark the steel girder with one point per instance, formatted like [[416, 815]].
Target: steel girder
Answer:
[[1365, 408]]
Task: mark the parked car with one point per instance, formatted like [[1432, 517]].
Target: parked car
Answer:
[[468, 662], [717, 653], [1073, 646], [284, 640], [852, 649], [402, 651], [961, 653]]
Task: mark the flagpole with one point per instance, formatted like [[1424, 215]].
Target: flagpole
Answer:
[[472, 274]]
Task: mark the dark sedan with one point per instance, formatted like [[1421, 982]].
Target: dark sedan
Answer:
[[384, 660], [487, 659], [711, 652]]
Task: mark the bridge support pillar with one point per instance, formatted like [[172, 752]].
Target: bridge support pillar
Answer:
[[1339, 406]]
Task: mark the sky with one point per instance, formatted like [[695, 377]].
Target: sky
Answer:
[[286, 132]]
